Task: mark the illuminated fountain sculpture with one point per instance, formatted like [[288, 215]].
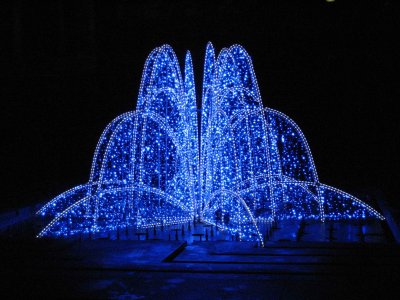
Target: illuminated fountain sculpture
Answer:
[[245, 165]]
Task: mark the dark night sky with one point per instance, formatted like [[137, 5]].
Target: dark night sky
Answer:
[[68, 69]]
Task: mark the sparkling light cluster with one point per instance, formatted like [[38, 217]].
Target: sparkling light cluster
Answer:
[[247, 164]]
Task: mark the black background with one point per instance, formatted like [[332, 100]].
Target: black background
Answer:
[[68, 68]]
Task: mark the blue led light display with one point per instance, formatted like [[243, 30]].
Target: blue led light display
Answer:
[[240, 166]]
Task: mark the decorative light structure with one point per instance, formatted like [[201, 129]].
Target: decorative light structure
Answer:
[[247, 165]]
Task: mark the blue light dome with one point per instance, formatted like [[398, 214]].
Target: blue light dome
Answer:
[[242, 164]]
